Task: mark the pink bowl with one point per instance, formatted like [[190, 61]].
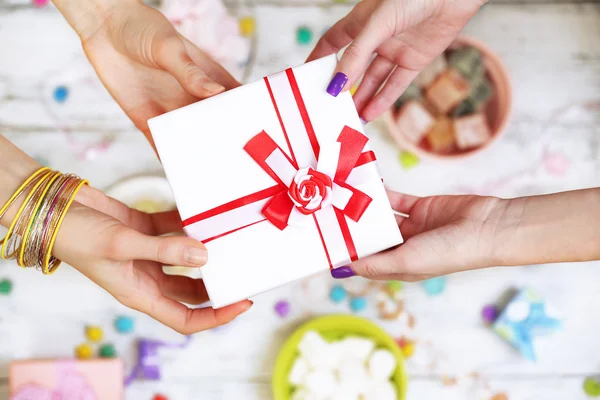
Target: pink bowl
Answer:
[[497, 110]]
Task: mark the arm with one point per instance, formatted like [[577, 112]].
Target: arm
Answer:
[[122, 251], [447, 234]]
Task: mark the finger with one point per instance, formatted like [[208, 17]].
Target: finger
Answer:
[[171, 55], [188, 320], [359, 53], [374, 77], [213, 69], [395, 85], [165, 222], [173, 250], [183, 289]]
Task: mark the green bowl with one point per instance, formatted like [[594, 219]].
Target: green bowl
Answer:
[[335, 327]]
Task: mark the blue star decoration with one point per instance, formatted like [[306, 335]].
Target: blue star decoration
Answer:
[[524, 318]]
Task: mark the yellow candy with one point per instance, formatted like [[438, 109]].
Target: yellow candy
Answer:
[[84, 351], [408, 349], [353, 89], [247, 26], [94, 333]]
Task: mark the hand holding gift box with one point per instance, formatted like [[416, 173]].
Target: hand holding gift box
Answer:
[[277, 178]]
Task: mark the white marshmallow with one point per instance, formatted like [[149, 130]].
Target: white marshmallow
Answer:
[[315, 350], [356, 348], [354, 376], [321, 383], [382, 364], [380, 390], [298, 372]]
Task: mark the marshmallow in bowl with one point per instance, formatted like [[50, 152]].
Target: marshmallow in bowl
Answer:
[[353, 374], [299, 371], [347, 369], [355, 348], [382, 364], [380, 390], [321, 383]]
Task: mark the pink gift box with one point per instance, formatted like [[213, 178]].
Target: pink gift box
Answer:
[[66, 380]]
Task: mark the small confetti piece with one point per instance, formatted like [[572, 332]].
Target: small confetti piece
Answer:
[[107, 351], [408, 349], [247, 26], [591, 386], [5, 286], [304, 35], [61, 93], [435, 286], [94, 333], [124, 324], [394, 286], [408, 160], [489, 313], [40, 3], [338, 294], [84, 351], [282, 308], [358, 304]]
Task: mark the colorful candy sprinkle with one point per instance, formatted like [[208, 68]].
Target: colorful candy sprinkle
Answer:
[[408, 160], [124, 324], [282, 308], [160, 397], [61, 93], [107, 351], [94, 333], [357, 304], [247, 26], [84, 351], [394, 286], [40, 3], [304, 35], [489, 313], [408, 348], [338, 294], [435, 286], [5, 286], [591, 386]]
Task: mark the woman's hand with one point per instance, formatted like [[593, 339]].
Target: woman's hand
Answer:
[[144, 63], [405, 35], [443, 234], [119, 249]]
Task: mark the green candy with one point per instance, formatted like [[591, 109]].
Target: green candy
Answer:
[[467, 61], [5, 287], [408, 160], [591, 386], [304, 35], [481, 93], [107, 351], [465, 108], [394, 286], [412, 92]]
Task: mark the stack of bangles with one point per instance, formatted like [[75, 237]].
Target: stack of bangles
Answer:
[[33, 231]]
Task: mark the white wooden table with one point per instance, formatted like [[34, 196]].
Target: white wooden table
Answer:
[[552, 50]]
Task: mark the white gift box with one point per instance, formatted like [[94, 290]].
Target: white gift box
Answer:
[[277, 179]]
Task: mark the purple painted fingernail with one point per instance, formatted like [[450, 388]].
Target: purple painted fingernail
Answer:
[[337, 84], [342, 272]]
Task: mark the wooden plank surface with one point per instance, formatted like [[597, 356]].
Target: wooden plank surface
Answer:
[[553, 54]]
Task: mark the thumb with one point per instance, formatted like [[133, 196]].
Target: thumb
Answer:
[[358, 54], [171, 55], [172, 250]]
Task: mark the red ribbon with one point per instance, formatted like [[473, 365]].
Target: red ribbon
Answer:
[[279, 206]]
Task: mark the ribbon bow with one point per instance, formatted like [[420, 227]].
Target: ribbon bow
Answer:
[[307, 190]]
